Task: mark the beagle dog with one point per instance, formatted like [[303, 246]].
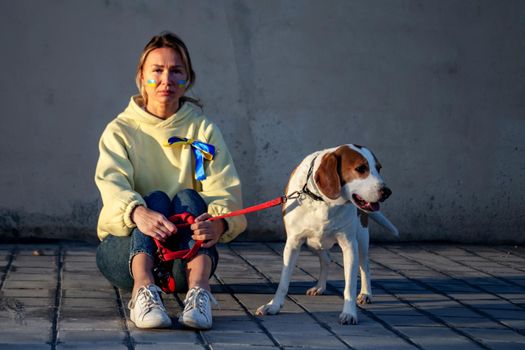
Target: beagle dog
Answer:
[[330, 195]]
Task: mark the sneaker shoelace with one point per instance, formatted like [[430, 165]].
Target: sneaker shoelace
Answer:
[[198, 298], [149, 299]]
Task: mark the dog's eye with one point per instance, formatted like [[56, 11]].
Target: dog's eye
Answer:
[[361, 169]]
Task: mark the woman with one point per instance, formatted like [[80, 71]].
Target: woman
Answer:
[[143, 180]]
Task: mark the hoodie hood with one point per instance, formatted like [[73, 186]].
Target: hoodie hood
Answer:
[[136, 112]]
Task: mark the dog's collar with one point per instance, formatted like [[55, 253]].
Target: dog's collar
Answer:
[[305, 189]]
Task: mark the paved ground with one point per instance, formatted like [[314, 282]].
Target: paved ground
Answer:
[[426, 296]]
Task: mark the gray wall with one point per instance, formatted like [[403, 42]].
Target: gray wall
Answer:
[[435, 88]]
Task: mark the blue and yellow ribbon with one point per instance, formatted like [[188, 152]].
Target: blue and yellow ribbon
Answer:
[[200, 149]]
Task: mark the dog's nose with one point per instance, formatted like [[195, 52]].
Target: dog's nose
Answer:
[[385, 192]]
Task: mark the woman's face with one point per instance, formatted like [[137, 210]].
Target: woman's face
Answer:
[[164, 77]]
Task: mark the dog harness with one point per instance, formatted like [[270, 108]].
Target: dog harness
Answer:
[[305, 190]]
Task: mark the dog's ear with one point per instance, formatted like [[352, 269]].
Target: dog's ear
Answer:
[[327, 176]]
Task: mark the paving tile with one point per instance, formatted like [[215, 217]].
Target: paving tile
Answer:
[[24, 346], [21, 313], [394, 310], [515, 314], [29, 258], [30, 293], [224, 324], [515, 324], [14, 284], [86, 284], [169, 346], [465, 322], [91, 346], [497, 338], [453, 312], [377, 341], [273, 324], [10, 302], [81, 323], [42, 250], [487, 305], [88, 303], [243, 347], [29, 331], [82, 293], [43, 271], [418, 321], [88, 313], [161, 336], [230, 315], [83, 258], [30, 278], [91, 336], [248, 338], [438, 338], [308, 339], [465, 297]]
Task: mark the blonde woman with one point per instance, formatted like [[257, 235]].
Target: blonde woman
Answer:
[[156, 159]]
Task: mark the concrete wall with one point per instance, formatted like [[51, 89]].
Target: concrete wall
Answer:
[[435, 88]]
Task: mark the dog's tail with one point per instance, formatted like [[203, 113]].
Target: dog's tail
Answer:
[[383, 221]]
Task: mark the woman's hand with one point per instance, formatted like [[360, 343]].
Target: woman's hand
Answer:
[[152, 223], [207, 231]]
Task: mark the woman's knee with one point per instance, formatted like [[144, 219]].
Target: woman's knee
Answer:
[[159, 202], [188, 195], [189, 200]]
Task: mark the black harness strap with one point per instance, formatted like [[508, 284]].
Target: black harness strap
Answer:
[[305, 189]]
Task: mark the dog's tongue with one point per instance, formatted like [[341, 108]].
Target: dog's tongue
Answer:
[[372, 206]]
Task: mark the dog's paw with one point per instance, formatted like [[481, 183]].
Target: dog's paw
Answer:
[[345, 318], [363, 299], [315, 290], [268, 309]]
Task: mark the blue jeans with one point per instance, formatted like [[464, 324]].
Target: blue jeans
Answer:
[[114, 254]]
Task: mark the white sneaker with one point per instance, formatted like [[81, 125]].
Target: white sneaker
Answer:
[[197, 309], [147, 310]]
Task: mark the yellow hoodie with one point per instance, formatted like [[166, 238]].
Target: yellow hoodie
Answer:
[[134, 162]]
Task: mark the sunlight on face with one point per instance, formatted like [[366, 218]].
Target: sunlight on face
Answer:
[[164, 78]]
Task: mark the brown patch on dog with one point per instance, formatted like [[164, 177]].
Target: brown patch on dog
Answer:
[[327, 176], [338, 168], [363, 218]]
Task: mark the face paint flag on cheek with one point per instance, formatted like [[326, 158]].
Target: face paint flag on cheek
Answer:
[[152, 82], [182, 83]]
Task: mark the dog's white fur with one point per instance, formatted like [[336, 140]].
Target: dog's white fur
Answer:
[[321, 224]]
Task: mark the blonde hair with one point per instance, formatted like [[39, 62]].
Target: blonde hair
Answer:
[[170, 40]]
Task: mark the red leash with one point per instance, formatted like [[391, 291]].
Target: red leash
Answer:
[[258, 207], [185, 220]]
